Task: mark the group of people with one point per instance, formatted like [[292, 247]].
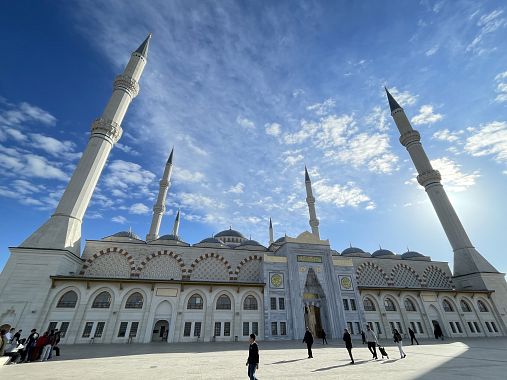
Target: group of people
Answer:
[[34, 347], [369, 337]]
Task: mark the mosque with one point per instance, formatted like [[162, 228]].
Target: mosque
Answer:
[[123, 288]]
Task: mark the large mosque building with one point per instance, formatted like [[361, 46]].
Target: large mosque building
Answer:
[[123, 288]]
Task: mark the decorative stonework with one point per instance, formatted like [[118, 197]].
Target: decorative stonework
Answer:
[[162, 265], [409, 138], [127, 84], [370, 274], [249, 269], [429, 177], [112, 263], [404, 276], [210, 267], [107, 128], [434, 277]]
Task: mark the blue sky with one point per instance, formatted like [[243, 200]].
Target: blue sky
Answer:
[[248, 92]]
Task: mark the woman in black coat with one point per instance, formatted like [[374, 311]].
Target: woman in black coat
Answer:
[[348, 344]]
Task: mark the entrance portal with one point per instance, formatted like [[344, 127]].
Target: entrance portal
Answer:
[[313, 321], [160, 331]]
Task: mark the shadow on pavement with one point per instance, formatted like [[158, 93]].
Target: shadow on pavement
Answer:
[[340, 365]]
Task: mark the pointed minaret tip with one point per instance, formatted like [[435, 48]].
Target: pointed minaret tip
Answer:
[[307, 177], [143, 48], [270, 223], [170, 159], [393, 104]]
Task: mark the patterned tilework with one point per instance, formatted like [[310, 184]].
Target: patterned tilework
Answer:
[[369, 274], [112, 262], [404, 276], [249, 270], [161, 265], [433, 277], [210, 267]]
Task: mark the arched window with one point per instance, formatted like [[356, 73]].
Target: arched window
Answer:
[[195, 302], [368, 305], [409, 305], [223, 303], [102, 301], [447, 306], [482, 306], [135, 301], [465, 307], [68, 300], [389, 305], [250, 303]]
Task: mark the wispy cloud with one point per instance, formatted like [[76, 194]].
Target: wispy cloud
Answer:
[[426, 116], [324, 108], [245, 123], [273, 129], [487, 23], [501, 87], [404, 98], [489, 140]]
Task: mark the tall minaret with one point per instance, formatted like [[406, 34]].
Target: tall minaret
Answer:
[[63, 229], [310, 199], [176, 226], [159, 208], [271, 240], [467, 259]]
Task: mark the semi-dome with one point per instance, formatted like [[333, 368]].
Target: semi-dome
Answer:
[[127, 234], [251, 245], [250, 242], [169, 237], [280, 240], [229, 233], [382, 252]]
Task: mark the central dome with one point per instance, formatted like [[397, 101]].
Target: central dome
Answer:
[[230, 237]]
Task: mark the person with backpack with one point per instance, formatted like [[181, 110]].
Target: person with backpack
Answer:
[[398, 340], [253, 357]]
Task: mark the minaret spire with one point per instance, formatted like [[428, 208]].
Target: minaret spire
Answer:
[[467, 259], [159, 207], [176, 226], [63, 229], [271, 240], [310, 200]]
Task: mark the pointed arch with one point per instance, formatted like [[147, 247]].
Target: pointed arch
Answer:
[[370, 274], [434, 277], [249, 269], [111, 262], [404, 276], [211, 266], [162, 264]]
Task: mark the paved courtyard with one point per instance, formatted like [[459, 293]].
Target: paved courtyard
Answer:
[[471, 358]]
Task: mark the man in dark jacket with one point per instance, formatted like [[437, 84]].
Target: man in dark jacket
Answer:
[[253, 358], [324, 340], [308, 339], [30, 344], [412, 336], [348, 344]]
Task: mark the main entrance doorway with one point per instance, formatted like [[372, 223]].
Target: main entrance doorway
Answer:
[[313, 320], [160, 331]]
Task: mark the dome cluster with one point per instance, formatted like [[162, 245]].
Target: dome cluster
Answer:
[[383, 254]]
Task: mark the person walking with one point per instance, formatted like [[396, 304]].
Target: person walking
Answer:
[[56, 348], [363, 336], [30, 345], [348, 344], [324, 340], [412, 336], [438, 332], [253, 357], [398, 340], [308, 339], [372, 341]]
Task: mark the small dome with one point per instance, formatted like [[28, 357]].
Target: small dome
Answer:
[[127, 234], [411, 255], [280, 240], [250, 242], [229, 233], [355, 252], [211, 240], [348, 251], [382, 252]]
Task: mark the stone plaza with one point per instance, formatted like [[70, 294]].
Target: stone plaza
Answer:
[[478, 358]]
